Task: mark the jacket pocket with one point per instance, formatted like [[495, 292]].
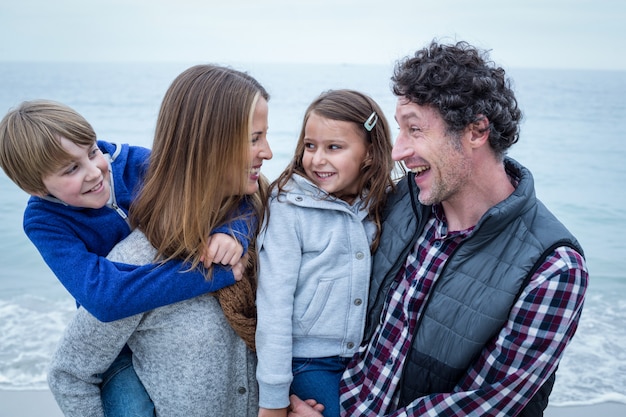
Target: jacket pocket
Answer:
[[316, 306]]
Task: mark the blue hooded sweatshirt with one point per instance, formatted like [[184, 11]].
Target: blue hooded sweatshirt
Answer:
[[74, 242]]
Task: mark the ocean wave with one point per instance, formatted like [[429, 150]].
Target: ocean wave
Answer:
[[593, 367], [592, 371], [597, 399], [30, 329]]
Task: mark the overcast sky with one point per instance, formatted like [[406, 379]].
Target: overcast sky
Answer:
[[520, 33]]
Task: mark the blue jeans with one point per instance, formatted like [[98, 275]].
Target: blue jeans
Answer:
[[123, 394], [318, 378]]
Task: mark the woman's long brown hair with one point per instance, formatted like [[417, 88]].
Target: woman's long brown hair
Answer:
[[199, 162]]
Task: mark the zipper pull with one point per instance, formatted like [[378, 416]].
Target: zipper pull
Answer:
[[120, 211]]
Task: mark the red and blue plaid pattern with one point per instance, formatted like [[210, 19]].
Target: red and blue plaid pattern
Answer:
[[509, 371]]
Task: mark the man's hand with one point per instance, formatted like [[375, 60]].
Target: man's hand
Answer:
[[267, 412], [308, 408]]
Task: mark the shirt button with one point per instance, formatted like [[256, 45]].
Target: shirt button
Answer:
[[241, 390], [370, 397], [360, 255], [298, 198], [350, 345], [389, 361], [358, 302], [437, 243]]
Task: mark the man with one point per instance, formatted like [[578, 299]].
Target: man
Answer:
[[476, 287]]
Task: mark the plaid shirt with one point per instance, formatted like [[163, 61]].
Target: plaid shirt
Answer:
[[520, 359]]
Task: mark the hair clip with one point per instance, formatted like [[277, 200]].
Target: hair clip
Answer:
[[371, 121]]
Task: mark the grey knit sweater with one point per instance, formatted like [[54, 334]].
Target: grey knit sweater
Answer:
[[186, 354]]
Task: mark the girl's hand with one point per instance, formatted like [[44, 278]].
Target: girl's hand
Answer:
[[222, 249]]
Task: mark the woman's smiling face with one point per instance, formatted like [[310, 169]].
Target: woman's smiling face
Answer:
[[259, 147]]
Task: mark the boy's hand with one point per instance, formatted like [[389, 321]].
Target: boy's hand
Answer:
[[240, 267], [222, 249]]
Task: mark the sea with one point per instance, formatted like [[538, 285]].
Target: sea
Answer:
[[572, 139]]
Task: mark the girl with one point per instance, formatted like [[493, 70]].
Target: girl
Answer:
[[210, 142], [324, 221]]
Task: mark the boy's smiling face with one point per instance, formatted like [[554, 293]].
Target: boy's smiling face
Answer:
[[84, 181]]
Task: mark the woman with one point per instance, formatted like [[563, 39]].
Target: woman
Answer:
[[210, 142]]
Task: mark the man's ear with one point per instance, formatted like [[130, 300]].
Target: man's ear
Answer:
[[480, 130]]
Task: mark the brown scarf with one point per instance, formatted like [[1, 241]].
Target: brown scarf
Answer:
[[238, 302]]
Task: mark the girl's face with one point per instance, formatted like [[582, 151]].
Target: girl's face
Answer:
[[259, 147], [333, 154], [84, 181]]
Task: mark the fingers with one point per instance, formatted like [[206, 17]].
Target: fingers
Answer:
[[308, 408], [238, 270], [221, 249], [316, 406]]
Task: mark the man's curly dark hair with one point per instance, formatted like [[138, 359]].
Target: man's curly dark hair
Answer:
[[463, 84]]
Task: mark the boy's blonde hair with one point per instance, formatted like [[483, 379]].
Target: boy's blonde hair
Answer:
[[30, 146]]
